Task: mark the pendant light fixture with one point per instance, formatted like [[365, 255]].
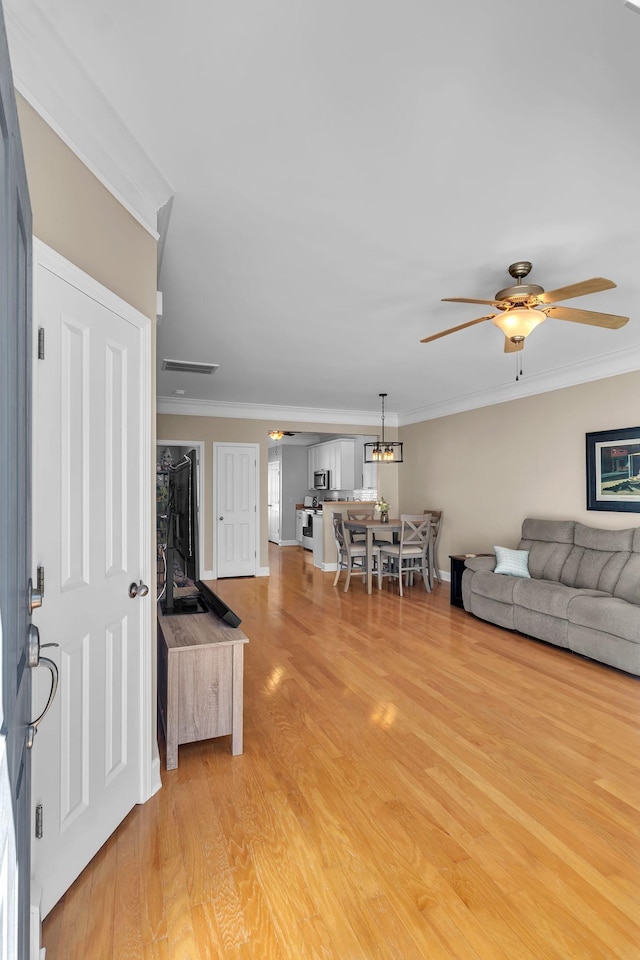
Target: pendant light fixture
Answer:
[[383, 451]]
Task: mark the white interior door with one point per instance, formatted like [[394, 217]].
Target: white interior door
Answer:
[[273, 500], [235, 498], [92, 536]]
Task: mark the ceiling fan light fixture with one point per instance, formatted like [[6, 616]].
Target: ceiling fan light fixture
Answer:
[[518, 323], [276, 434]]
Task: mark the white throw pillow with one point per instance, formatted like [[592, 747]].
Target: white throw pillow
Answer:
[[515, 563]]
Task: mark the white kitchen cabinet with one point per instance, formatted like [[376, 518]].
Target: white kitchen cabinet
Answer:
[[338, 457], [345, 464], [315, 461], [369, 476], [330, 456], [300, 521]]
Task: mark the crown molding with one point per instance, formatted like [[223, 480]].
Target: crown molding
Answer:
[[50, 77], [281, 415], [569, 375]]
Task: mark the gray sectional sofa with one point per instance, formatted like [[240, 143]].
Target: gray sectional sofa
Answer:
[[583, 592]]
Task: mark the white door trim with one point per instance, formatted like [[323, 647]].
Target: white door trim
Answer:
[[199, 446], [46, 258]]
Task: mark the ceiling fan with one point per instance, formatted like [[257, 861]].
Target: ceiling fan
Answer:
[[523, 307]]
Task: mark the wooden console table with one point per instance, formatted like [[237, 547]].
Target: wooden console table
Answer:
[[200, 677]]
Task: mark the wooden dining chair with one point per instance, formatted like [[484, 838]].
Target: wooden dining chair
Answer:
[[412, 554], [436, 524], [352, 557]]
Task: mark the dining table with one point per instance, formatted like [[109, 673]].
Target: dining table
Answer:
[[371, 526]]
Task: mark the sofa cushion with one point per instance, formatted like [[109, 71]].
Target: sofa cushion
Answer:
[[549, 543], [609, 615], [513, 563], [493, 586], [598, 558], [628, 585], [552, 531], [547, 596]]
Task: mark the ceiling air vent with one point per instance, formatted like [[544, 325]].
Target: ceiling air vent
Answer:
[[189, 366]]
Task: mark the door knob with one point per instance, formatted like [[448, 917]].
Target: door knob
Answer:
[[220, 518], [138, 590]]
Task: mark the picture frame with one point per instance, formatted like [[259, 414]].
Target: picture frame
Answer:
[[613, 470]]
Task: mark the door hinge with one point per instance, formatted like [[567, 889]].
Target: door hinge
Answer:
[[40, 343], [39, 821], [40, 579]]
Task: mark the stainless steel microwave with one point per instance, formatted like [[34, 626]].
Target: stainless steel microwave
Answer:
[[321, 480]]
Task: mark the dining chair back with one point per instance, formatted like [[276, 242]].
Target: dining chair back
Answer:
[[412, 554], [436, 525], [364, 511], [352, 557]]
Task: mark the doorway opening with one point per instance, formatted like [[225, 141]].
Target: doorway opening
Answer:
[[169, 453]]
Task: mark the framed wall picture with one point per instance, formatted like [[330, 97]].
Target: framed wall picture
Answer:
[[613, 470]]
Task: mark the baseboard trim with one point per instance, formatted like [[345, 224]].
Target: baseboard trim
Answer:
[[155, 778]]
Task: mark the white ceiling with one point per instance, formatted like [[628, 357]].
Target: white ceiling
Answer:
[[338, 167]]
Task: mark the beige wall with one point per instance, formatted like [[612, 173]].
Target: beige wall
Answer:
[[227, 430], [77, 216], [490, 468]]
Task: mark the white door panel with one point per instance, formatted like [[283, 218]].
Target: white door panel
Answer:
[[273, 500], [91, 535], [236, 517]]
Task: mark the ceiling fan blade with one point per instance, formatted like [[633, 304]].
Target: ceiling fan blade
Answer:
[[461, 326], [491, 303], [608, 320], [511, 347], [576, 290]]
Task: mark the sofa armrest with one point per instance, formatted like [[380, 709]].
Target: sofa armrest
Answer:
[[480, 563]]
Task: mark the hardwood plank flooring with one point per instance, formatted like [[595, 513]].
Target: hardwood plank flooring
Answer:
[[415, 784]]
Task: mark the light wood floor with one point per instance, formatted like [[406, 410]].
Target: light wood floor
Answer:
[[416, 785]]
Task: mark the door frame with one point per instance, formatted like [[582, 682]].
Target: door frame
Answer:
[[258, 570], [199, 446]]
